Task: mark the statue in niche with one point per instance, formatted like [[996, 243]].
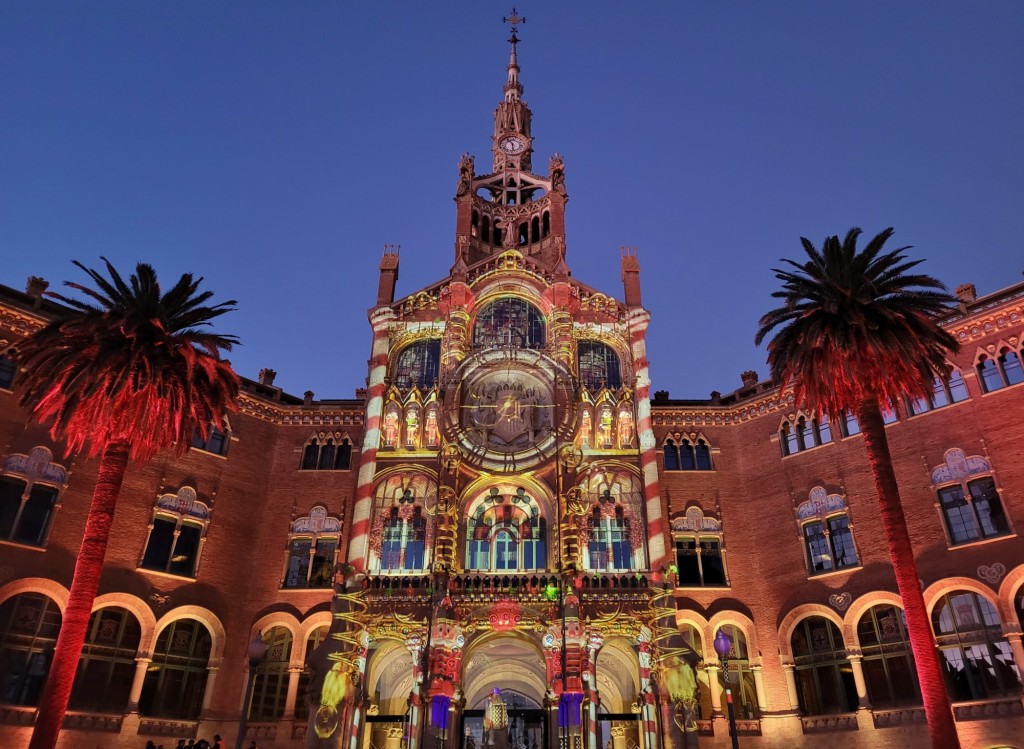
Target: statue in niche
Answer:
[[431, 428], [412, 427], [604, 428], [390, 429], [625, 428], [586, 429]]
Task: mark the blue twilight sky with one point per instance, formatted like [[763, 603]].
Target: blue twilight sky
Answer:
[[275, 147]]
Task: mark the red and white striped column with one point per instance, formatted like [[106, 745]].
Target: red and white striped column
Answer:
[[637, 320], [380, 320]]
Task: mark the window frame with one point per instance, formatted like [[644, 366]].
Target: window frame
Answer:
[[955, 478], [800, 434], [834, 658], [183, 509], [337, 445], [987, 637], [8, 369], [38, 648], [699, 539], [34, 469], [317, 528]]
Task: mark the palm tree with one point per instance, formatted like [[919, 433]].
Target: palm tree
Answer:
[[122, 376], [858, 330]]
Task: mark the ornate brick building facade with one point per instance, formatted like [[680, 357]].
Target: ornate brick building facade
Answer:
[[508, 506]]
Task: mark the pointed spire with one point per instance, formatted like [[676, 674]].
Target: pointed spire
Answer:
[[513, 88]]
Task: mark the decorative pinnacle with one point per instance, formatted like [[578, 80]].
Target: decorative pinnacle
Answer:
[[513, 90]]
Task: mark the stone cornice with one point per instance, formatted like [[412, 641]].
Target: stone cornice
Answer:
[[284, 415]]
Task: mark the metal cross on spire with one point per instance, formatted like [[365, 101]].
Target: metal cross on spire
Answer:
[[514, 20]]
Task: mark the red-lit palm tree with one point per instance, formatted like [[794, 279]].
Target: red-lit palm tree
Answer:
[[858, 330], [122, 375]]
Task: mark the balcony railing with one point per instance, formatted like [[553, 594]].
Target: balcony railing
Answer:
[[839, 722]]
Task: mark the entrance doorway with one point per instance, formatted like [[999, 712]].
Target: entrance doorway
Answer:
[[527, 728], [504, 669]]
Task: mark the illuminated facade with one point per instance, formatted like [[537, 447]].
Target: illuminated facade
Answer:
[[507, 506]]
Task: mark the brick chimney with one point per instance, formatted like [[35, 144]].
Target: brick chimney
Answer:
[[966, 293], [34, 287], [266, 377], [307, 398], [749, 378]]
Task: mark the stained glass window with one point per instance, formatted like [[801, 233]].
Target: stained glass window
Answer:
[[599, 366], [418, 365], [509, 322]]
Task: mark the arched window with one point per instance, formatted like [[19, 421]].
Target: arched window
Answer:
[[945, 390], [1000, 372], [509, 322], [403, 544], [546, 226], [507, 533], [691, 636], [888, 662], [316, 637], [107, 666], [29, 488], [417, 365], [671, 455], [330, 452], [804, 434], [976, 658], [598, 366], [312, 548], [29, 625], [401, 535], [8, 369], [740, 677], [270, 687], [824, 677], [176, 679], [176, 535], [609, 547]]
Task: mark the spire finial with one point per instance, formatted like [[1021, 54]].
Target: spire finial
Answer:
[[513, 90]]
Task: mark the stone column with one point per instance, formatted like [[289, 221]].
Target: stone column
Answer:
[[294, 672], [857, 666], [1014, 638], [790, 670], [762, 698], [715, 686], [135, 694], [211, 682]]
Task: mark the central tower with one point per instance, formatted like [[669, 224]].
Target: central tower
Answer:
[[511, 207], [508, 533]]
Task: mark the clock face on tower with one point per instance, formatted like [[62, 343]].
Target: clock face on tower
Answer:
[[512, 145], [506, 415]]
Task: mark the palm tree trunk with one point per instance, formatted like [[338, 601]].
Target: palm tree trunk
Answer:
[[54, 702], [937, 708]]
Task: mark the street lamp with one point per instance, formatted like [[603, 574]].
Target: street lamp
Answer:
[[723, 646], [257, 649]]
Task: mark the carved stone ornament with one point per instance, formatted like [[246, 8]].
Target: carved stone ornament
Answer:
[[695, 521], [958, 465], [992, 573], [840, 601]]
